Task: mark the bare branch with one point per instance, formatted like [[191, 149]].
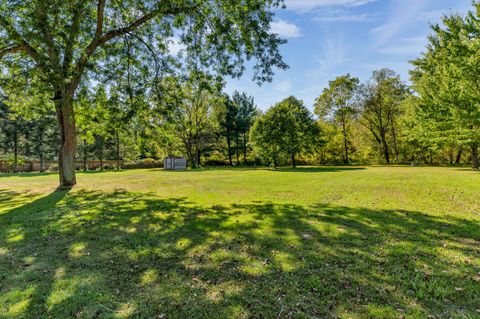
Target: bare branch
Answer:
[[11, 50]]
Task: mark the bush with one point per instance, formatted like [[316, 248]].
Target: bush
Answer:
[[53, 168], [144, 163], [148, 161]]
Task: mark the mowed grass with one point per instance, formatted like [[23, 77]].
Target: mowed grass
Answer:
[[376, 242]]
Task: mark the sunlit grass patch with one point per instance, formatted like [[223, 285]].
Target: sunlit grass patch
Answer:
[[334, 246]]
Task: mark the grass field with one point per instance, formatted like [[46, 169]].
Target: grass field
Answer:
[[376, 242]]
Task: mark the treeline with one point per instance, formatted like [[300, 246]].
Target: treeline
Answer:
[[376, 122], [434, 121]]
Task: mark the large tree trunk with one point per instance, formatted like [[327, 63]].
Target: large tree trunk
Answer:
[[66, 154], [345, 144], [475, 161]]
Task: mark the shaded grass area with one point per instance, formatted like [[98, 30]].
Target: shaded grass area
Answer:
[[117, 253]]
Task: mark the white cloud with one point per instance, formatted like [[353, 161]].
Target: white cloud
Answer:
[[305, 5], [285, 29]]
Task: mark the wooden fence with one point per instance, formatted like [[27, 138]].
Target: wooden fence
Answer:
[[34, 166]]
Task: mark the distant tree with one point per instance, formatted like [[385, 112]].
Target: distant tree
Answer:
[[227, 118], [446, 79], [285, 131], [44, 137], [339, 104], [381, 102], [246, 113], [65, 44], [191, 102], [11, 126]]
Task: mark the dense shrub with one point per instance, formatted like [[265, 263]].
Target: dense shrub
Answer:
[[144, 163]]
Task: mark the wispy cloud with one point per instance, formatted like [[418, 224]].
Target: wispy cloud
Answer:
[[333, 55], [283, 86], [398, 20], [406, 47], [285, 29], [305, 5], [364, 17]]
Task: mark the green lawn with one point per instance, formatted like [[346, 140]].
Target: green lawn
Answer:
[[377, 242]]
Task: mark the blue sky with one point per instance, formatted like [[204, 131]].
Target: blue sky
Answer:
[[328, 38]]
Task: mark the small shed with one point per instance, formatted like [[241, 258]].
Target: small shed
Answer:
[[174, 163]]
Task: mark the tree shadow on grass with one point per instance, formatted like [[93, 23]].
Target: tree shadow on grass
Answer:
[[324, 169], [27, 174], [92, 254]]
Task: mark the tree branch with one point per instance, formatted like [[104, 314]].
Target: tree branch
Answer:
[[45, 29], [74, 29], [15, 36], [11, 50], [98, 41], [100, 15]]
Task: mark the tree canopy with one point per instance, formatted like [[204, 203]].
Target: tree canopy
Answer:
[[285, 131], [67, 44], [446, 79]]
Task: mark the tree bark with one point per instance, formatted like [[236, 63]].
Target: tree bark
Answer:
[[66, 154], [475, 161], [294, 164]]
